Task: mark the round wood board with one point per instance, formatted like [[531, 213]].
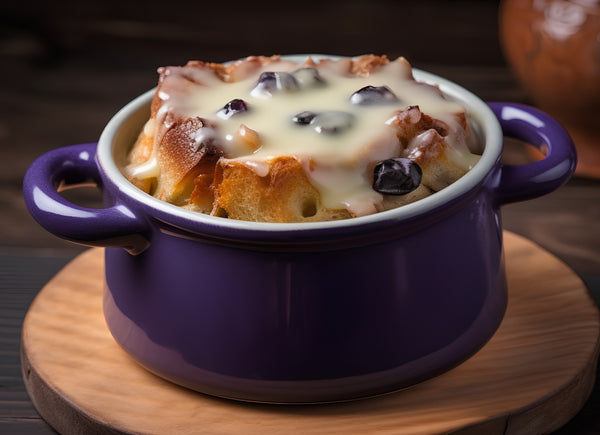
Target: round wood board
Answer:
[[532, 377]]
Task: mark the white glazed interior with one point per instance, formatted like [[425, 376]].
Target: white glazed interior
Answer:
[[125, 126]]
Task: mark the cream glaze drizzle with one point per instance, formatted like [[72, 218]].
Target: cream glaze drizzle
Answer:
[[337, 164]]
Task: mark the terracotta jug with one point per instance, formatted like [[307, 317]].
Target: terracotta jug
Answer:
[[553, 47]]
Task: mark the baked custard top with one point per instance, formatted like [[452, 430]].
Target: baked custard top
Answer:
[[340, 119]]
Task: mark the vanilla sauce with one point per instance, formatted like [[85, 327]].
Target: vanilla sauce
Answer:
[[337, 164]]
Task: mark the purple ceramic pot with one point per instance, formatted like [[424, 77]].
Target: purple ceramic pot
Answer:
[[298, 313]]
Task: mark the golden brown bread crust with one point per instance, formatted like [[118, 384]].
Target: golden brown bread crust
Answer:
[[284, 195], [178, 153], [423, 141], [199, 175], [366, 64]]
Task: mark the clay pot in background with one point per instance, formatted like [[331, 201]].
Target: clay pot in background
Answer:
[[553, 47]]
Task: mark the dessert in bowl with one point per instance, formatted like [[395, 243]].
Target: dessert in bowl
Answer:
[[272, 140], [301, 312]]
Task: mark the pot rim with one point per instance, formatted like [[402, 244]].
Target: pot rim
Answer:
[[479, 114]]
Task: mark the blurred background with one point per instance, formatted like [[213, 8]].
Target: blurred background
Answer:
[[66, 67]]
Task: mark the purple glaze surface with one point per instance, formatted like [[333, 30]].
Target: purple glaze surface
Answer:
[[69, 167], [303, 313], [539, 129], [311, 326]]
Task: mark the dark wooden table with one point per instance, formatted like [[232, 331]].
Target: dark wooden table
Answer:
[[67, 67]]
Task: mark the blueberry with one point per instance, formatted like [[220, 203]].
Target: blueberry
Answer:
[[271, 82], [308, 77], [304, 118], [370, 95], [332, 122], [232, 108], [396, 176]]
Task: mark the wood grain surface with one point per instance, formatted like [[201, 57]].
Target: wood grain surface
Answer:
[[532, 377]]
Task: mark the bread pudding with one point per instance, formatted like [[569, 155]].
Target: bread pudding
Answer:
[[271, 140]]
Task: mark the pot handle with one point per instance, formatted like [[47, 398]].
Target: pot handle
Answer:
[[70, 167], [520, 182]]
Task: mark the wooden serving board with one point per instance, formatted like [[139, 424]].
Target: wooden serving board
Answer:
[[532, 377]]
